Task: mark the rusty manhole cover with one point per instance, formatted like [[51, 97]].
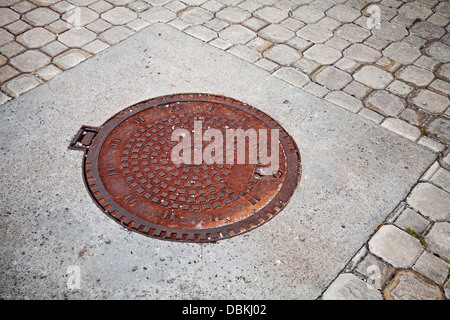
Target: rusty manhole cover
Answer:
[[131, 174]]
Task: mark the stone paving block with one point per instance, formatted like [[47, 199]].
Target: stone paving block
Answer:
[[119, 16], [307, 66], [427, 30], [442, 179], [36, 38], [315, 33], [333, 78], [373, 77], [292, 24], [385, 103], [376, 271], [430, 201], [23, 6], [371, 115], [244, 52], [95, 46], [407, 285], [299, 43], [139, 6], [402, 52], [362, 53], [427, 63], [338, 43], [329, 23], [430, 101], [388, 64], [415, 75], [357, 89], [54, 48], [440, 128], [80, 3], [390, 31], [402, 128], [292, 76], [347, 286], [77, 37], [345, 101], [433, 267], [30, 61], [282, 54], [438, 239], [99, 26], [100, 6], [411, 219], [323, 54], [5, 37], [214, 6], [316, 89], [439, 51], [259, 44], [195, 15], [444, 72], [7, 72], [193, 2], [352, 33], [308, 14], [201, 32], [415, 10], [115, 34], [395, 246], [266, 64], [216, 24], [138, 24], [70, 58], [343, 13], [434, 145], [12, 49], [221, 44], [237, 34], [18, 27], [58, 26], [80, 16], [399, 88], [48, 72], [276, 33], [233, 15], [3, 60], [161, 14], [250, 5], [21, 84], [255, 24], [41, 16], [7, 16]]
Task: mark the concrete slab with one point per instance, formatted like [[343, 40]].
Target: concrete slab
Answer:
[[354, 174]]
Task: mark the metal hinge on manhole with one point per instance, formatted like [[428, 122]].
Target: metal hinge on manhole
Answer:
[[190, 167], [83, 138]]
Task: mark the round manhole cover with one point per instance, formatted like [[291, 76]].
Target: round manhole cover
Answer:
[[190, 167]]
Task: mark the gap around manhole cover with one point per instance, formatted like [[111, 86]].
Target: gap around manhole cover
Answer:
[[131, 174]]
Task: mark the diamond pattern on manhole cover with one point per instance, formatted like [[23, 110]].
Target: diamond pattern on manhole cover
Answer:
[[190, 167]]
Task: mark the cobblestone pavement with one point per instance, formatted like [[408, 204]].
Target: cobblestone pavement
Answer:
[[387, 60]]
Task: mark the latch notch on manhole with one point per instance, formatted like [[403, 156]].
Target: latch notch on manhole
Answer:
[[190, 167]]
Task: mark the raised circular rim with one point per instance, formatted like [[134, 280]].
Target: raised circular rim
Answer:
[[113, 210]]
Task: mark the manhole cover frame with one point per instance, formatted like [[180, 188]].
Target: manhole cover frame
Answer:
[[91, 139]]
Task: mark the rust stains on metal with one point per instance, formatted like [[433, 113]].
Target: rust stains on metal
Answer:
[[130, 174]]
